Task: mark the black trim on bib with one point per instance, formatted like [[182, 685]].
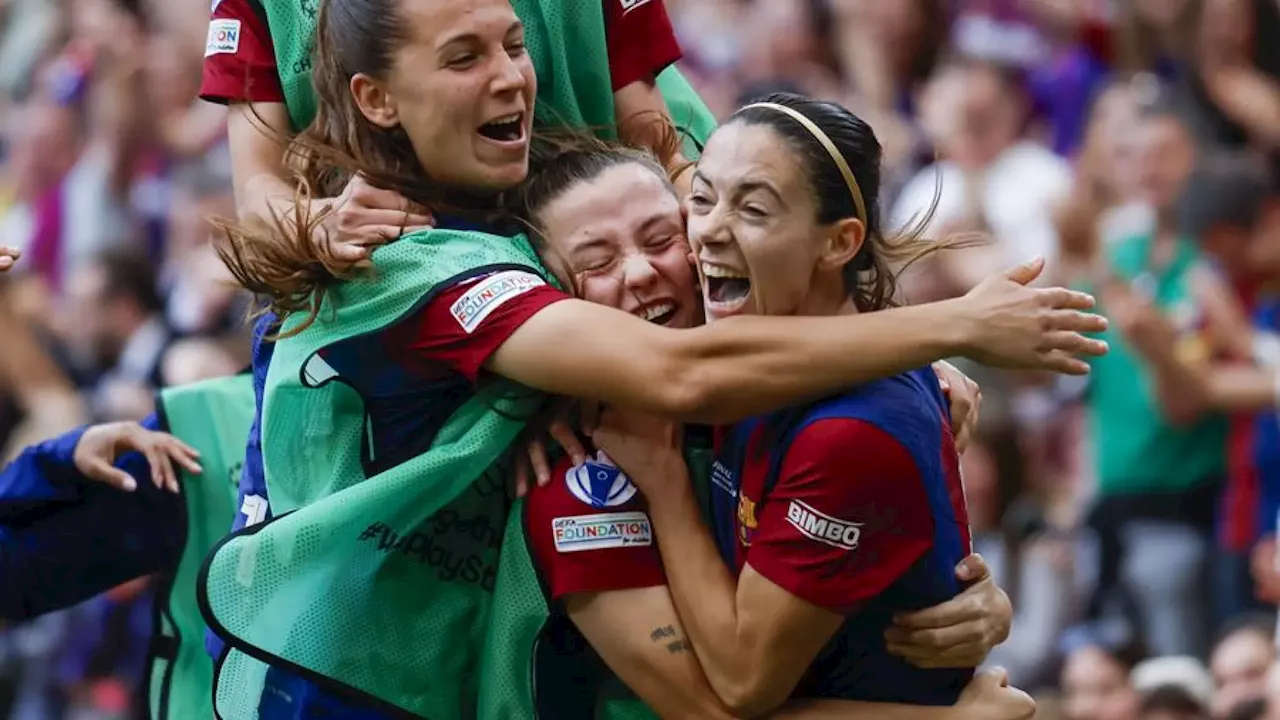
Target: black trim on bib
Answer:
[[164, 648], [324, 682]]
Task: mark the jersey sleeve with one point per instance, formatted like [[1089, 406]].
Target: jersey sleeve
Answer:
[[581, 548], [239, 58], [465, 323], [640, 39], [848, 516]]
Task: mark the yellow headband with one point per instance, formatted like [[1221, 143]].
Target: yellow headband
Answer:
[[831, 148]]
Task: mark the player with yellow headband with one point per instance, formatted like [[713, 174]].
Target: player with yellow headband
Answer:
[[828, 518]]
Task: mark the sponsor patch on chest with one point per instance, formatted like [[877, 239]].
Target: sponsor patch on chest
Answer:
[[601, 532]]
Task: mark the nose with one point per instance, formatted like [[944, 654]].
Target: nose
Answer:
[[638, 272], [710, 229], [509, 76]]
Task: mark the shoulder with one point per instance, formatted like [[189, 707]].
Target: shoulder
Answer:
[[843, 446]]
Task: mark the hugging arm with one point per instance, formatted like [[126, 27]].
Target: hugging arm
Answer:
[[744, 365]]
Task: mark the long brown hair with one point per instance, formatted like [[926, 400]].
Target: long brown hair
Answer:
[[278, 259], [871, 277]]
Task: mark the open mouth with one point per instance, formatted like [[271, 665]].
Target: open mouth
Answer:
[[659, 313], [725, 287], [506, 129]]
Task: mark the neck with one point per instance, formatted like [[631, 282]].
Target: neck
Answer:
[[827, 296]]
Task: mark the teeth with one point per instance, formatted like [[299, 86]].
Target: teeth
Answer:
[[716, 271], [653, 312], [515, 117]]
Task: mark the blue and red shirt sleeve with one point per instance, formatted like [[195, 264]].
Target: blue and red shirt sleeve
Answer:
[[239, 57], [465, 323], [640, 39], [556, 520], [848, 517]]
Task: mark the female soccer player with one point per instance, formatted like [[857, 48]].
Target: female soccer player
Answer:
[[831, 516], [609, 225], [268, 91], [392, 400]]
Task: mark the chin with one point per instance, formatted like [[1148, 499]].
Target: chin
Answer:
[[505, 177]]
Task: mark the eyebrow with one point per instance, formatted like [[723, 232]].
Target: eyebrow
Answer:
[[653, 221], [595, 243], [471, 37], [746, 187]]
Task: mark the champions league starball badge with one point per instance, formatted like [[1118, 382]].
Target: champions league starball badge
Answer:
[[599, 483]]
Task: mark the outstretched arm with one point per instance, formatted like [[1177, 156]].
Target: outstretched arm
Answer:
[[744, 365], [66, 537]]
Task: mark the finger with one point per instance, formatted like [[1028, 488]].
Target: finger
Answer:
[[538, 461], [966, 658], [177, 442], [186, 457], [381, 233], [380, 199], [1026, 272], [1077, 321], [6, 262], [365, 217], [936, 641], [569, 441], [972, 569], [589, 416], [1073, 343], [1064, 299], [161, 468], [105, 473], [965, 429], [962, 608], [349, 252], [522, 477]]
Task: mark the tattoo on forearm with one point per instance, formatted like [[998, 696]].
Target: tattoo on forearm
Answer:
[[661, 633], [679, 646], [671, 638]]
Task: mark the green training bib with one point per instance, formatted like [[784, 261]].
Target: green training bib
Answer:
[[213, 417]]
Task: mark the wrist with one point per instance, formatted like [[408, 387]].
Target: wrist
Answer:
[[951, 329]]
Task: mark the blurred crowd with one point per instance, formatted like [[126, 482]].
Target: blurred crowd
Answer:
[[1134, 143]]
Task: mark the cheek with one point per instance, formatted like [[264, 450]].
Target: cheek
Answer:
[[601, 290], [673, 265]]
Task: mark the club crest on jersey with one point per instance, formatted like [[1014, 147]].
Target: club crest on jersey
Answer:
[[599, 483], [747, 522]]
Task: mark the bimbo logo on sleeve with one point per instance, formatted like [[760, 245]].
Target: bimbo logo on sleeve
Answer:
[[823, 528]]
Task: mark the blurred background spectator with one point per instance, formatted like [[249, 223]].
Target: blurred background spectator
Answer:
[[1134, 143]]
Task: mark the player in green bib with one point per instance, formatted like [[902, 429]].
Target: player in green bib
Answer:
[[611, 62], [394, 397]]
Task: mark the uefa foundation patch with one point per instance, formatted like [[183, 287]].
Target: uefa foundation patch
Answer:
[[224, 37], [602, 531]]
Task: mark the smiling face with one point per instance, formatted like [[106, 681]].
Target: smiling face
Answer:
[[753, 221], [619, 239], [462, 88]]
